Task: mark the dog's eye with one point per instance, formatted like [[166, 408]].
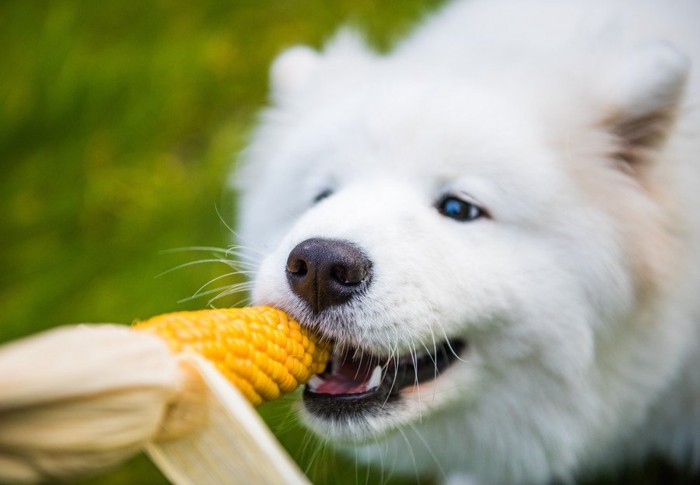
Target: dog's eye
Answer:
[[322, 195], [458, 209]]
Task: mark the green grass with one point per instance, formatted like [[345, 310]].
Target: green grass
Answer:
[[119, 122]]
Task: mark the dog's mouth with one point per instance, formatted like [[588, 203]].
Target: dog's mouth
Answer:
[[355, 381]]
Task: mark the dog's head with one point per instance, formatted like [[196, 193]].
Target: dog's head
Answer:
[[461, 238]]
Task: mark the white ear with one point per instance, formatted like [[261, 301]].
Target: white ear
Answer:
[[643, 99], [292, 69], [348, 43]]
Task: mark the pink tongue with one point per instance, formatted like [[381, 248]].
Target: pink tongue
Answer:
[[340, 385], [351, 377]]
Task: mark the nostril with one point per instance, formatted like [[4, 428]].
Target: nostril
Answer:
[[327, 272], [348, 275], [339, 274], [297, 267]]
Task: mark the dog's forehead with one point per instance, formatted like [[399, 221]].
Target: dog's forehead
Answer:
[[410, 124], [429, 133]]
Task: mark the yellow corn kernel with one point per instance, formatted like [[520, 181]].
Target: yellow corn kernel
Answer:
[[260, 350]]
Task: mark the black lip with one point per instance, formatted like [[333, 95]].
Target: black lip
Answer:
[[398, 375]]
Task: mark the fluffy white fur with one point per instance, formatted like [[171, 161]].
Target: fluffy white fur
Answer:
[[575, 125]]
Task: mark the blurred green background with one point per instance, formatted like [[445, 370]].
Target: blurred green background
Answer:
[[119, 122]]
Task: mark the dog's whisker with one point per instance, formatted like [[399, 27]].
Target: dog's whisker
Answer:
[[392, 468], [220, 291], [239, 261], [315, 452], [357, 469], [416, 384], [195, 263], [200, 290], [228, 227], [393, 356], [428, 449], [184, 249], [433, 358], [409, 447], [309, 445], [233, 289], [244, 254], [434, 353], [449, 345]]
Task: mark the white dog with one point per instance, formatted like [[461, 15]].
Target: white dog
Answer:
[[498, 224]]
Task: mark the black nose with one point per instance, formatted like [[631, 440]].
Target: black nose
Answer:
[[327, 272]]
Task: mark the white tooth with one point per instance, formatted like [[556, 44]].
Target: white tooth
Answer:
[[376, 378], [314, 382]]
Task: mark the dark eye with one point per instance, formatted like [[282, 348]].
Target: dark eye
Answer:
[[323, 195], [458, 209]]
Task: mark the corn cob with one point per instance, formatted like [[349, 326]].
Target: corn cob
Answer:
[[260, 350]]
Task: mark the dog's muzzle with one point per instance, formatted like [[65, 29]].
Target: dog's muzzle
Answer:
[[325, 273]]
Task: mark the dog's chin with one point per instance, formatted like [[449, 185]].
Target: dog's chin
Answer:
[[360, 396]]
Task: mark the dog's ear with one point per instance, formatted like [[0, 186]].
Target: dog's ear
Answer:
[[292, 70], [297, 68], [643, 99]]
